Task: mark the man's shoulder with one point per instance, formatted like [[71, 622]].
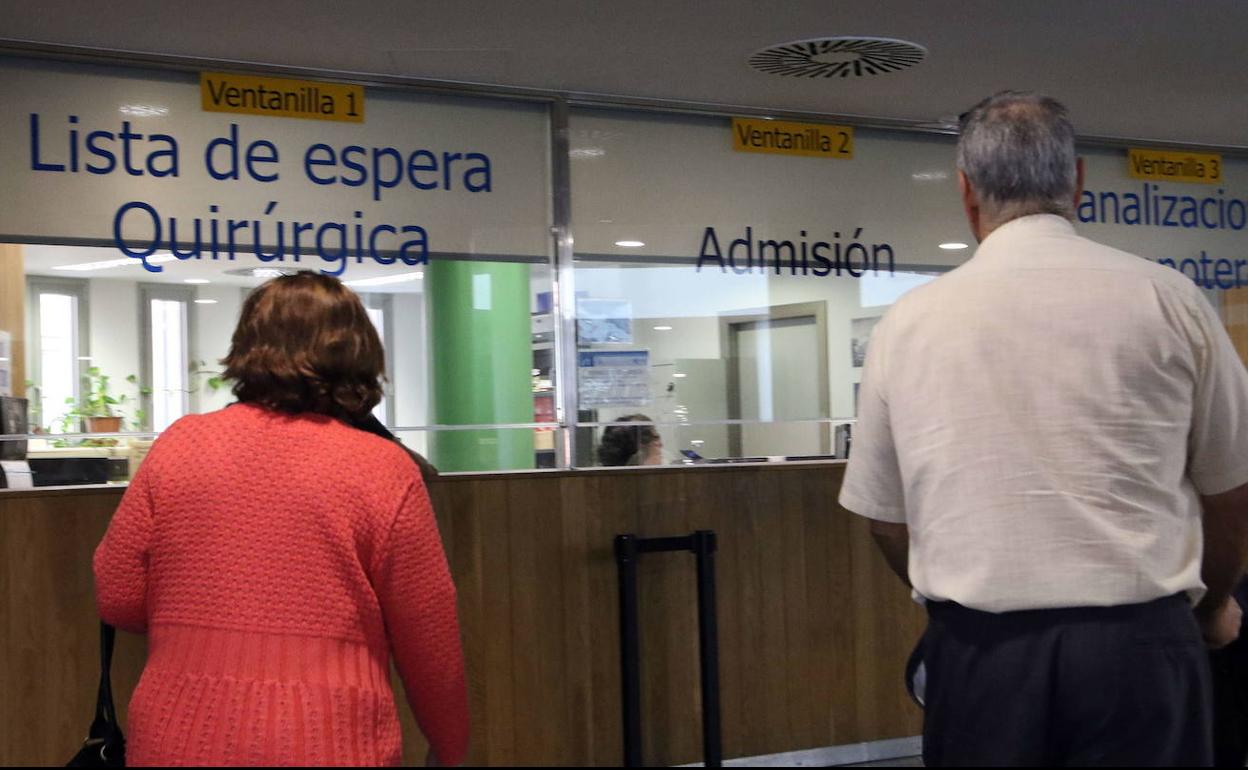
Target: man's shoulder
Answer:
[[919, 298], [1126, 267], [1098, 263], [1068, 250], [1103, 256]]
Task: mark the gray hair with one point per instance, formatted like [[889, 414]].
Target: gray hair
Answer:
[[1018, 150]]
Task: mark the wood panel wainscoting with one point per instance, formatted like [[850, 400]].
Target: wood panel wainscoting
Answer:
[[13, 311], [814, 629]]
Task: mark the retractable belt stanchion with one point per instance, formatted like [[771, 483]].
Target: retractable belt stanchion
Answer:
[[627, 550]]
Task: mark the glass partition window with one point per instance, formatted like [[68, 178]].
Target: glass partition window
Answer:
[[728, 298], [720, 302], [449, 248]]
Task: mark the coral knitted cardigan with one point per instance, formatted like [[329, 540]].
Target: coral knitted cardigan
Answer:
[[275, 563]]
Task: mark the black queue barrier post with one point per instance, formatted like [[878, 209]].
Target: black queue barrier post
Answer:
[[627, 549]]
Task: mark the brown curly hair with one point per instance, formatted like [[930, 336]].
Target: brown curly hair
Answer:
[[304, 343]]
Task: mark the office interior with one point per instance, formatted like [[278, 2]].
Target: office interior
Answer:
[[628, 261]]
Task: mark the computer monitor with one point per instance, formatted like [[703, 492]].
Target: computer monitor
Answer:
[[13, 422]]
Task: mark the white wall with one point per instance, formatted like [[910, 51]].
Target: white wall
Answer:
[[701, 300], [116, 346], [113, 328], [214, 326], [411, 373]]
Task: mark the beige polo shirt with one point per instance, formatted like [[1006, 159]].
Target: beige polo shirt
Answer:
[[1044, 418]]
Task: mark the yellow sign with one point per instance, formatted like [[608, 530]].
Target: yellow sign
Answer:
[[1172, 166], [280, 97], [816, 140]]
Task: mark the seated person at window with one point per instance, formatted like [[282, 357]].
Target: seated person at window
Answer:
[[631, 445]]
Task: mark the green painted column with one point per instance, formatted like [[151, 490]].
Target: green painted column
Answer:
[[480, 340]]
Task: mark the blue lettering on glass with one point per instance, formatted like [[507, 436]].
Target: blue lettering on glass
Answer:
[[153, 245], [231, 157], [1149, 206], [747, 255], [1209, 273], [100, 151], [35, 163], [388, 168], [270, 240]]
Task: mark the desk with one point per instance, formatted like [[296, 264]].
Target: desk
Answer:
[[814, 629]]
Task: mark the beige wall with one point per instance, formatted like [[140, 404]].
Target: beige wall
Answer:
[[13, 310]]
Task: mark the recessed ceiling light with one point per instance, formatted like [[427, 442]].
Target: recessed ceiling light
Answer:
[[105, 264], [630, 244], [662, 328], [196, 280], [4, 360], [586, 152], [930, 176], [680, 375], [387, 279], [144, 110], [262, 272], [205, 302], [954, 246], [844, 57]]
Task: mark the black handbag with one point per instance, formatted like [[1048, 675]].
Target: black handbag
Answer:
[[105, 745]]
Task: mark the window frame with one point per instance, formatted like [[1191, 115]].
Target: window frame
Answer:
[[80, 290], [385, 303], [167, 292]]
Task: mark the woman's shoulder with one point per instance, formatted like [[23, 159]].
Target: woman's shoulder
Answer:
[[380, 455], [251, 428], [195, 426]]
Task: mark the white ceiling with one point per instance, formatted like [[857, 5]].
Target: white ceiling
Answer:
[[1158, 69], [109, 263]]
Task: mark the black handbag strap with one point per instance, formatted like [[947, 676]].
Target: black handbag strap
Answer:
[[104, 710], [105, 745]]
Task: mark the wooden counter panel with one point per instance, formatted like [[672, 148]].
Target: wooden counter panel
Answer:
[[49, 633], [814, 629]]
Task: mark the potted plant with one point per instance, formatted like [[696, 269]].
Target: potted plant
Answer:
[[196, 370], [140, 416], [215, 379], [98, 407]]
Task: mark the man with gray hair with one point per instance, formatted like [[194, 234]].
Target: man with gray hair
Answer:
[[1052, 446]]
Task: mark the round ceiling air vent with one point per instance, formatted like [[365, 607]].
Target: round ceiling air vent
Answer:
[[830, 57]]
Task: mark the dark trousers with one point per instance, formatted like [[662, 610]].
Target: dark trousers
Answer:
[[1230, 695], [1109, 686], [1230, 705]]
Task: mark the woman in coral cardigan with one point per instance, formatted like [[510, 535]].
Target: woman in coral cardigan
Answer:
[[277, 558]]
